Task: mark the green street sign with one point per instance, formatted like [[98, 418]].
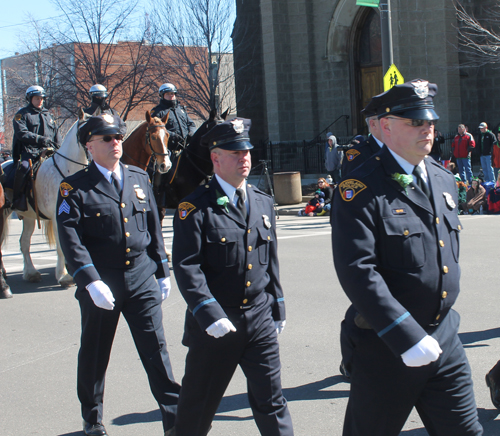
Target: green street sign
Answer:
[[370, 3]]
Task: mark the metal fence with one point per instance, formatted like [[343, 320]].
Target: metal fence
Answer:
[[309, 158]]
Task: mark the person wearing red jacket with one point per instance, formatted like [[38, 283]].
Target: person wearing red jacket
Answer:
[[462, 146]]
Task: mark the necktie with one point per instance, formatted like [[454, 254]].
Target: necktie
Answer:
[[417, 172], [116, 184], [240, 204]]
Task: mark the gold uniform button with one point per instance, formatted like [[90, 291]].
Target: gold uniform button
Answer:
[[437, 220], [127, 262], [250, 266], [245, 301], [445, 269], [441, 243], [249, 230], [459, 227], [223, 240], [125, 220], [406, 232], [127, 250], [98, 214], [122, 205], [437, 317], [127, 234], [144, 210], [248, 284], [249, 248], [444, 294], [268, 238], [377, 158]]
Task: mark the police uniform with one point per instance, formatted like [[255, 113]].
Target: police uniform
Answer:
[[105, 109], [396, 256], [226, 266], [358, 154], [179, 123], [34, 129], [116, 238]]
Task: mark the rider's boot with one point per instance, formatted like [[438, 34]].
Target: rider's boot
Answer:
[[19, 200]]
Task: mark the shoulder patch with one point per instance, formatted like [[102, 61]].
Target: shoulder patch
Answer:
[[350, 188], [64, 188], [18, 117], [352, 154], [185, 209]]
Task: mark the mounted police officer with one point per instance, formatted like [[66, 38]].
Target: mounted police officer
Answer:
[[179, 125], [35, 136], [112, 240], [98, 95], [395, 240], [226, 266]]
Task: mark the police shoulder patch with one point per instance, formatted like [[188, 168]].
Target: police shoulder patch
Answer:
[[64, 188], [18, 117], [352, 154], [350, 188], [185, 209]]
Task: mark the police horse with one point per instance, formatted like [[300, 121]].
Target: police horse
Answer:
[[67, 160], [148, 140]]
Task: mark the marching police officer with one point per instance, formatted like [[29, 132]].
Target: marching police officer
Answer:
[[98, 95], [111, 237], [179, 125], [35, 136], [395, 243], [359, 153], [226, 266]]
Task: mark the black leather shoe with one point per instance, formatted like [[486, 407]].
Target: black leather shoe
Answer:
[[494, 390], [94, 429]]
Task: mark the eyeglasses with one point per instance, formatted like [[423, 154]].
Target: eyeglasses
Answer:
[[416, 123], [109, 138], [320, 183]]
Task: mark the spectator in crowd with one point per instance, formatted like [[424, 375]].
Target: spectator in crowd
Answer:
[[495, 156], [486, 141], [333, 158], [436, 146], [462, 146], [475, 199], [314, 205], [494, 209], [328, 190]]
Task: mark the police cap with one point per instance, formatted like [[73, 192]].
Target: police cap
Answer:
[[229, 135], [413, 100], [104, 124]]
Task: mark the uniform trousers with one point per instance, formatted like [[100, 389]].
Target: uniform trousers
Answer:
[[384, 390], [141, 307], [211, 363]]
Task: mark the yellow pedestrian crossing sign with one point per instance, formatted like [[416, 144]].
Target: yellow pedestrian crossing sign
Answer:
[[392, 77]]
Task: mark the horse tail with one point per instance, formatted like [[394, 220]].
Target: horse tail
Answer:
[[48, 230]]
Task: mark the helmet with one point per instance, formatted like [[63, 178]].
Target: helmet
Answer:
[[167, 87], [99, 91], [34, 90]]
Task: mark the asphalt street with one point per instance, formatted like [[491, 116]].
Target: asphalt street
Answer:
[[40, 329]]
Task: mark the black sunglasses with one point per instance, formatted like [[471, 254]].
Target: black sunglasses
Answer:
[[416, 123], [109, 138]]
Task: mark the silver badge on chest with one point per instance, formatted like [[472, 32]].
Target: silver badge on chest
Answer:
[[267, 222], [449, 200]]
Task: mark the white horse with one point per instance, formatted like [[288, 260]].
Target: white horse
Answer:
[[69, 158]]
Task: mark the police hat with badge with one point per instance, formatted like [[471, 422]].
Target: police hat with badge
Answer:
[[229, 135], [412, 100], [104, 124]]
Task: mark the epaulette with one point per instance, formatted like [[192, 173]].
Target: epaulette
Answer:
[[135, 169], [77, 175], [257, 190]]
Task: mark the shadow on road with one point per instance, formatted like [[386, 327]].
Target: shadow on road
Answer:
[[47, 284], [468, 338]]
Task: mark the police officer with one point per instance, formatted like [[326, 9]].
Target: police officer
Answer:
[[179, 125], [98, 95], [396, 245], [226, 266], [111, 237], [361, 152], [35, 136]]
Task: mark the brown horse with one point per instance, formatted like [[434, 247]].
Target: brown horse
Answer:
[[148, 140]]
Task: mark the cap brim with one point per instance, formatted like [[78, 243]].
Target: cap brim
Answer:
[[416, 114], [234, 146]]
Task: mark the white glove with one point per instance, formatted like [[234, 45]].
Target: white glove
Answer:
[[279, 326], [422, 353], [220, 328], [165, 286], [101, 295]]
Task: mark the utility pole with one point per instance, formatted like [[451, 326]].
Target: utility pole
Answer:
[[386, 34]]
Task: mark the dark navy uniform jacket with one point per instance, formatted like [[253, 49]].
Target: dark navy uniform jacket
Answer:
[[359, 154], [104, 110], [31, 125], [179, 121], [98, 230], [395, 253], [221, 261]]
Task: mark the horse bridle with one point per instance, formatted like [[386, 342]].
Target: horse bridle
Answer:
[[148, 142]]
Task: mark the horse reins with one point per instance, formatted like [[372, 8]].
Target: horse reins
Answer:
[[148, 142]]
